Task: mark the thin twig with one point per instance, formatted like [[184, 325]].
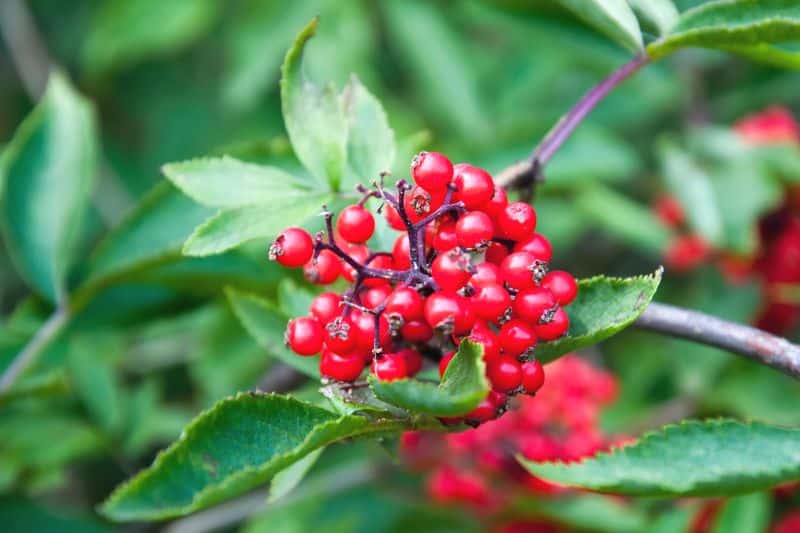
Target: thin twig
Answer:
[[529, 171], [747, 341], [38, 342]]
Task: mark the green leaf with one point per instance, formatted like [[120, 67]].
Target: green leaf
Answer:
[[47, 171], [287, 479], [370, 142], [661, 15], [587, 512], [266, 324], [604, 307], [767, 54], [693, 458], [92, 369], [152, 233], [128, 31], [745, 514], [725, 23], [463, 386], [237, 445], [232, 227], [614, 18], [623, 218], [314, 117], [227, 182]]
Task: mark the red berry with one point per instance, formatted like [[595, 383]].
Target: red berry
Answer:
[[431, 170], [496, 253], [393, 218], [364, 331], [483, 335], [304, 335], [517, 221], [413, 360], [490, 302], [416, 331], [686, 253], [355, 224], [498, 202], [292, 248], [339, 335], [449, 312], [497, 398], [445, 361], [538, 245], [669, 211], [516, 337], [390, 367], [380, 262], [401, 253], [555, 328], [340, 367], [372, 298], [532, 303], [419, 202], [325, 307], [505, 373], [407, 303], [562, 285], [532, 376], [484, 412], [359, 252], [521, 270], [474, 229], [451, 270], [474, 186], [486, 274], [324, 269], [445, 237]]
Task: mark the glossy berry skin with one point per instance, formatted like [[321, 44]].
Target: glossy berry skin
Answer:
[[554, 329], [516, 337], [393, 218], [431, 170], [490, 302], [355, 224], [532, 303], [359, 252], [484, 412], [407, 303], [390, 367], [517, 221], [340, 367], [445, 361], [486, 274], [364, 332], [532, 376], [304, 335], [419, 202], [451, 270], [474, 186], [382, 262], [495, 253], [325, 307], [413, 360], [372, 298], [324, 269], [538, 245], [445, 237], [562, 285], [474, 230], [449, 312], [519, 270], [339, 335], [416, 331], [292, 248], [401, 253], [505, 374], [497, 203], [483, 335]]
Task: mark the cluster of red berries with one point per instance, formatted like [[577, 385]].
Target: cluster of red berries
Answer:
[[467, 264], [776, 262], [478, 467]]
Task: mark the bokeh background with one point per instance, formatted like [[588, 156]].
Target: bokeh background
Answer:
[[481, 81]]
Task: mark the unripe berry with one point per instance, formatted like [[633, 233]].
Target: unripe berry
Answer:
[[355, 224], [407, 303], [538, 245], [517, 221], [325, 307], [390, 367], [474, 230], [324, 269], [474, 186], [490, 302], [532, 376], [505, 373], [532, 303], [292, 248], [431, 170], [452, 269], [555, 328], [562, 285], [304, 335], [339, 335], [516, 337], [340, 367]]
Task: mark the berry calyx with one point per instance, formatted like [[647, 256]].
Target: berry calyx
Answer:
[[555, 328], [292, 248], [355, 224], [522, 270], [339, 335]]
